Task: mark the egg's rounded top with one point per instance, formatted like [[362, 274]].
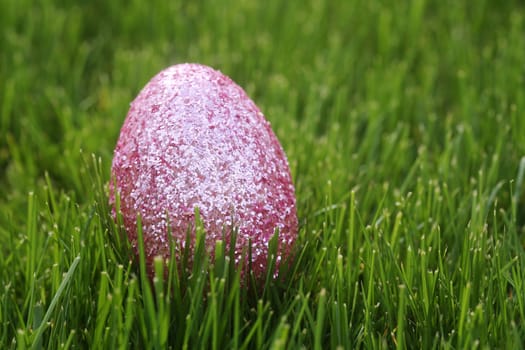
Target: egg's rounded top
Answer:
[[193, 139]]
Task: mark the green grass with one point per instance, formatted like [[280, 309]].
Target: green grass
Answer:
[[404, 126]]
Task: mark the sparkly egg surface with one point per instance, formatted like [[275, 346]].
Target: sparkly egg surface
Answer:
[[193, 139]]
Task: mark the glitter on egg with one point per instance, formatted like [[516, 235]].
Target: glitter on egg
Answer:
[[193, 139]]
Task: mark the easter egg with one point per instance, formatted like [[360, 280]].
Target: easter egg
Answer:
[[193, 139]]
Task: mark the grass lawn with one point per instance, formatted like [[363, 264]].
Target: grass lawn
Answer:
[[404, 126]]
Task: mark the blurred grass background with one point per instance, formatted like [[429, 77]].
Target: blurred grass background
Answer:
[[385, 109]]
